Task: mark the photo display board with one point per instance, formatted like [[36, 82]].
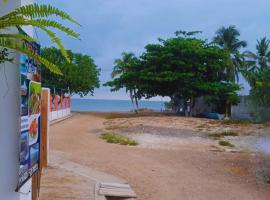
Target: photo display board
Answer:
[[30, 106]]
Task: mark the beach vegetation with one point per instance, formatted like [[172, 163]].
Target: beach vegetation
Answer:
[[122, 67], [228, 39], [80, 75], [235, 122], [225, 143], [218, 135], [183, 68], [114, 138], [257, 73]]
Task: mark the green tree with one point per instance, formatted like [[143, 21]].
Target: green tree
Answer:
[[80, 75], [257, 73], [260, 93], [185, 68], [124, 67], [182, 68], [228, 39], [37, 16]]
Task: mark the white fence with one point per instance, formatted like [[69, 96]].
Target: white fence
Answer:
[[55, 115]]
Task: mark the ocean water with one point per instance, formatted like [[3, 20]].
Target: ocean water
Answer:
[[84, 105]]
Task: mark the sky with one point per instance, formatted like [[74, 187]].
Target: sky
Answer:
[[110, 27]]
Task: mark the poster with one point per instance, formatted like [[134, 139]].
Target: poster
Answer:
[[30, 100]]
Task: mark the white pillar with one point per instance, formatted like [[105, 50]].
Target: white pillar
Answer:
[[10, 121]]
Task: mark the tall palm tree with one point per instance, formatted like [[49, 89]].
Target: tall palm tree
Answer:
[[260, 60], [228, 38], [123, 65], [37, 16]]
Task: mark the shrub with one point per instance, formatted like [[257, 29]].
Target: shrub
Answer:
[[118, 139], [225, 143]]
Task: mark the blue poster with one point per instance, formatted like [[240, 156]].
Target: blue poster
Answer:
[[30, 99]]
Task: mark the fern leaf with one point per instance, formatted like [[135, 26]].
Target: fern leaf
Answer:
[[38, 11], [20, 21], [18, 36], [18, 46], [58, 42], [56, 25], [38, 24]]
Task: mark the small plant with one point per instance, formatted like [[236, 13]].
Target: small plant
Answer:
[[118, 139], [225, 143], [202, 126], [233, 121], [224, 134]]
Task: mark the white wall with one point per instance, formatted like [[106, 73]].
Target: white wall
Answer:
[[10, 122]]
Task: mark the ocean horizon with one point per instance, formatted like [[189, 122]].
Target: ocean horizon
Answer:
[[107, 105]]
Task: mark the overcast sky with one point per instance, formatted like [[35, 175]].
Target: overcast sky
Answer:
[[110, 27]]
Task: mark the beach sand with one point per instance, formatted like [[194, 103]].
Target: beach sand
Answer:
[[176, 159]]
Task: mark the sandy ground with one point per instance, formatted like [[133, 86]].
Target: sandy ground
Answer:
[[176, 159]]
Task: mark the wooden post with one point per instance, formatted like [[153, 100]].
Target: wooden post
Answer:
[[45, 96], [45, 110]]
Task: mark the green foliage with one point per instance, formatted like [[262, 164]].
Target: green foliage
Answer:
[[4, 56], [225, 143], [168, 105], [118, 139], [257, 73], [224, 134], [260, 93], [235, 122], [257, 64], [228, 39], [123, 76], [184, 68], [81, 75], [36, 16]]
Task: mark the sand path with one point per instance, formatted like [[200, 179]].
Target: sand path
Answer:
[[186, 172]]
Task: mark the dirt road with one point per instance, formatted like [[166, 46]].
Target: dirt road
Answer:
[[188, 172]]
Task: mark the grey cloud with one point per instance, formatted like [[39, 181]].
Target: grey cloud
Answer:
[[113, 26]]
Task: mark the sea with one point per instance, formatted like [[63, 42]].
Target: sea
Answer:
[[102, 105]]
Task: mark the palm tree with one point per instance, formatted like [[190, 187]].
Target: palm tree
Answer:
[[228, 39], [37, 16], [122, 66], [260, 60]]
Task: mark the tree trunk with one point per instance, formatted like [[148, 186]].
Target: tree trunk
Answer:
[[136, 99], [176, 104], [132, 99]]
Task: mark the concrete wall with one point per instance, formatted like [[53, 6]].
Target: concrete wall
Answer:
[[242, 110], [10, 122], [202, 107], [245, 111]]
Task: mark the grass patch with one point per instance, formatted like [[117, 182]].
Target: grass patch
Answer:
[[114, 127], [223, 134], [202, 126], [118, 139], [225, 143], [234, 121]]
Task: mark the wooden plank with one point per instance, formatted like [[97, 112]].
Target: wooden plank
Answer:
[[116, 190]]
